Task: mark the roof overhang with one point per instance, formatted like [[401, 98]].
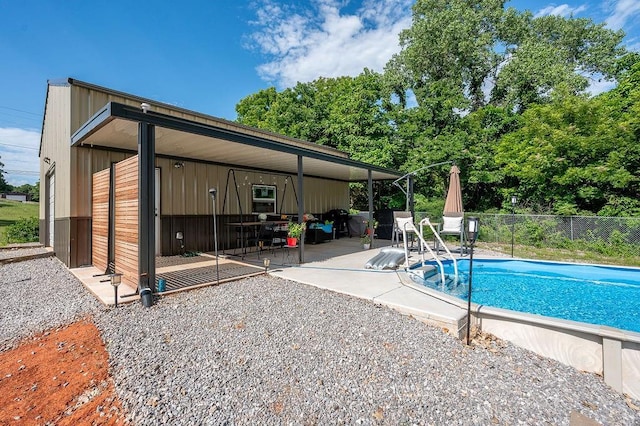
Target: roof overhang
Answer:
[[115, 127]]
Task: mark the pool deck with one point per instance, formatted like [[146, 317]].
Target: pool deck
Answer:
[[346, 274]]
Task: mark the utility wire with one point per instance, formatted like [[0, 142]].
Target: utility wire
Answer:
[[21, 172], [18, 146], [19, 110]]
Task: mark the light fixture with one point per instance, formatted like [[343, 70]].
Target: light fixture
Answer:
[[472, 230], [145, 107], [266, 262], [178, 164], [514, 201], [115, 282], [180, 237]]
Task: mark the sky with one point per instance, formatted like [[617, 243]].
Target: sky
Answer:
[[206, 55]]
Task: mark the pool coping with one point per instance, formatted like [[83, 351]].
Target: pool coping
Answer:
[[609, 351]]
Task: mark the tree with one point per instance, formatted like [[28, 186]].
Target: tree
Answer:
[[579, 154], [4, 186], [456, 50]]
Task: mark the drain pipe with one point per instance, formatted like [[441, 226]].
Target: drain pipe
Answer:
[[146, 297]]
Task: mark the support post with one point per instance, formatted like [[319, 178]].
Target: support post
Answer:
[[412, 204], [146, 213], [301, 208], [370, 191]]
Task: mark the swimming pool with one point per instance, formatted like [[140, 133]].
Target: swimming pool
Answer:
[[604, 295]]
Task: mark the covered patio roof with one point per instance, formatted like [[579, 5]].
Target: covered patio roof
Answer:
[[115, 126]]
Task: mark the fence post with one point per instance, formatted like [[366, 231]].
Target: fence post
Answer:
[[571, 226]]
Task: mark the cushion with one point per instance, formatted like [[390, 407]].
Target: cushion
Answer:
[[402, 221], [452, 224]]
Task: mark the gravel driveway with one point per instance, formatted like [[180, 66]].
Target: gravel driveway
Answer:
[[269, 351]]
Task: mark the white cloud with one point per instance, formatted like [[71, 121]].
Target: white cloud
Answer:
[[563, 10], [623, 11], [302, 45], [19, 153]]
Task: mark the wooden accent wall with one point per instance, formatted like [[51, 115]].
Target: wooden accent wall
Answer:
[[126, 212], [100, 222]]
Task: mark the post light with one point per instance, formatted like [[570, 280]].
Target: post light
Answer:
[[115, 282], [212, 192], [266, 262], [472, 230], [514, 201]]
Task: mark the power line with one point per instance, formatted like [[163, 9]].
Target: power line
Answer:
[[21, 172], [19, 110], [18, 146]]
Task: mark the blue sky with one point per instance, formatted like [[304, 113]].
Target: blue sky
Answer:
[[204, 55]]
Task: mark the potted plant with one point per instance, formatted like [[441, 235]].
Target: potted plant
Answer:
[[294, 232], [366, 241]]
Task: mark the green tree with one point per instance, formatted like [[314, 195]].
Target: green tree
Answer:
[[579, 154], [4, 186], [456, 49]]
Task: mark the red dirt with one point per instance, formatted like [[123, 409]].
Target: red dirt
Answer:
[[59, 377]]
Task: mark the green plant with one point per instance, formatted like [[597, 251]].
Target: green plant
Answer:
[[295, 230], [328, 222], [24, 230], [365, 239]]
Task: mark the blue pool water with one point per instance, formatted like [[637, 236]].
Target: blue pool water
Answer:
[[604, 295]]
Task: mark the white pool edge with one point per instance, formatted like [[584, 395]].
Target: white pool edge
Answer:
[[607, 351]]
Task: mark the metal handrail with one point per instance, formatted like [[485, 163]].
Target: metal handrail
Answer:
[[426, 221], [423, 245]]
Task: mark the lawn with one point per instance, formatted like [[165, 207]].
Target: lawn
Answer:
[[12, 211]]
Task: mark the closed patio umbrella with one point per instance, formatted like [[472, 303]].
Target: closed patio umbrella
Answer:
[[453, 203]]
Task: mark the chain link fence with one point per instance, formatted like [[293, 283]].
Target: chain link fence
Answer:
[[608, 235], [603, 234]]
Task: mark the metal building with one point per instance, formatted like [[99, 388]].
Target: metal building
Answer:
[[122, 175]]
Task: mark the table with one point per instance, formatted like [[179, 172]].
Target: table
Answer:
[[251, 227], [286, 249]]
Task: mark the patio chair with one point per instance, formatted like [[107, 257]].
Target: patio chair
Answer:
[[264, 240], [399, 221], [453, 224]]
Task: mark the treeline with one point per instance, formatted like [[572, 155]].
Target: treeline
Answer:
[[498, 91], [34, 190]]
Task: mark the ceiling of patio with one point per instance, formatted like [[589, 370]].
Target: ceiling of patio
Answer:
[[122, 134]]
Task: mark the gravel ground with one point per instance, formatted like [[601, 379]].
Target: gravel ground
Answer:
[[269, 351], [37, 295], [9, 253]]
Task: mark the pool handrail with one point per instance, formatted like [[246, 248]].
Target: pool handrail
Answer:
[[409, 225], [426, 221]]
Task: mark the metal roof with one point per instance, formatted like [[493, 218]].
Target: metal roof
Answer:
[[115, 126]]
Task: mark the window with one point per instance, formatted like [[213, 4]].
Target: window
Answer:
[[264, 198]]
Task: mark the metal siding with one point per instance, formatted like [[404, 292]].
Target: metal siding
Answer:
[[56, 145]]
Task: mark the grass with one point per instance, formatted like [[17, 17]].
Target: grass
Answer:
[[12, 211], [562, 255]]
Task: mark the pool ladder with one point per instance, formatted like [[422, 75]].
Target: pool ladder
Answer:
[[424, 247]]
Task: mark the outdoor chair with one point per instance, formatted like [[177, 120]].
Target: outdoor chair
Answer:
[[453, 224], [264, 240], [400, 219]]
